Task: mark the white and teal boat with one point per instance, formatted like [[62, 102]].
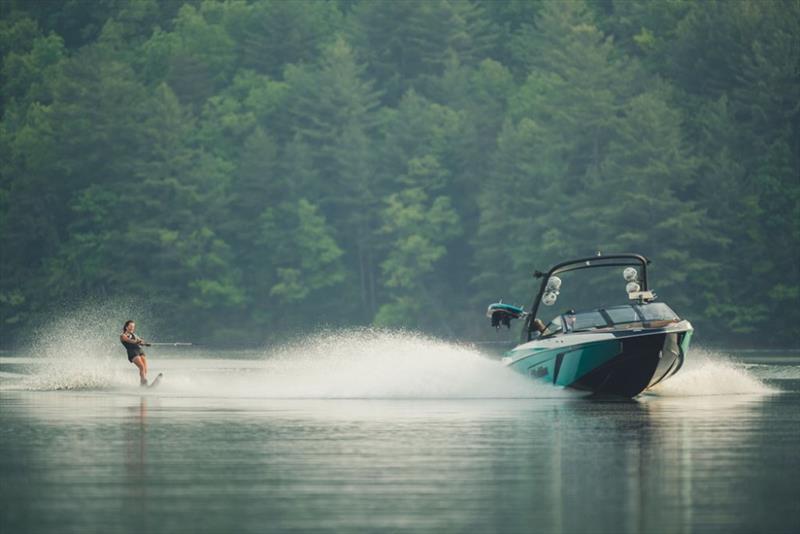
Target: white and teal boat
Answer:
[[621, 349]]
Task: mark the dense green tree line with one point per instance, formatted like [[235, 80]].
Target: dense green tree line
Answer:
[[251, 168]]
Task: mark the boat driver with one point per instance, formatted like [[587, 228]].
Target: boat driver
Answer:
[[538, 326], [569, 320]]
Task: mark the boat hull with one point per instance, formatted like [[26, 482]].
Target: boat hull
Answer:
[[619, 363]]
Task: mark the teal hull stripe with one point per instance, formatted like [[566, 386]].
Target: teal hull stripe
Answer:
[[575, 361]]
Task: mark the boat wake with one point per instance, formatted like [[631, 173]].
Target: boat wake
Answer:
[[355, 364], [368, 364], [708, 372]]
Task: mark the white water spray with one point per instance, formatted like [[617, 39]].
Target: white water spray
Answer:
[[369, 364], [708, 372], [364, 363], [81, 351]]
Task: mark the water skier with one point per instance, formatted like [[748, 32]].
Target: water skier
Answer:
[[133, 344]]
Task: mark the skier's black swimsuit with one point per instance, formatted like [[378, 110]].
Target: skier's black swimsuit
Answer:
[[133, 349]]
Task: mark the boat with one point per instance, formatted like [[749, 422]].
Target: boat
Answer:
[[621, 349]]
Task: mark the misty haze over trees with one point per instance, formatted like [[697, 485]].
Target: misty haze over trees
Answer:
[[248, 169]]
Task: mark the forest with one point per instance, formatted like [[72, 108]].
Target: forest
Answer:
[[247, 170]]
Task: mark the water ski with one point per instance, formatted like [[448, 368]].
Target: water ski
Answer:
[[156, 381]]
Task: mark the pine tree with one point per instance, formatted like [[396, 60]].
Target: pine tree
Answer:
[[278, 33], [333, 109], [419, 228], [408, 44]]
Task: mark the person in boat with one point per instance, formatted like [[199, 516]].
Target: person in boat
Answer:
[[569, 320], [538, 326], [133, 344]]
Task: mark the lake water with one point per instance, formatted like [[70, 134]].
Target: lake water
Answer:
[[376, 432]]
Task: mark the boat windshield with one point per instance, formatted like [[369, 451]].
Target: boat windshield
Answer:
[[585, 321], [555, 327], [657, 311], [628, 314], [623, 314]]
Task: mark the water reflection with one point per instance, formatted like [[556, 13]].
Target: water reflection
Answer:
[[704, 450], [639, 463], [136, 478], [135, 442], [642, 463], [563, 465]]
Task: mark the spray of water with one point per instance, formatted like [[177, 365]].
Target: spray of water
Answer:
[[370, 363], [80, 349], [709, 372]]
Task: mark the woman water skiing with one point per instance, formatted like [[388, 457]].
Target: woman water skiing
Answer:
[[133, 344]]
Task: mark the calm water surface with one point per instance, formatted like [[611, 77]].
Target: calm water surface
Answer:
[[110, 458]]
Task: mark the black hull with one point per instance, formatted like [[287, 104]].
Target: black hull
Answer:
[[643, 362]]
